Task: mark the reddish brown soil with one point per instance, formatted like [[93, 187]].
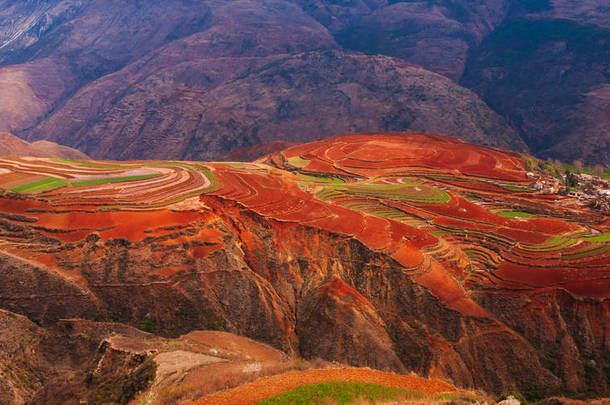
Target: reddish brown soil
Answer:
[[236, 347], [271, 386]]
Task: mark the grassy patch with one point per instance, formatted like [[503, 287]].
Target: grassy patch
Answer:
[[588, 253], [456, 396], [602, 237], [516, 188], [555, 243], [399, 192], [50, 183], [319, 179], [298, 161], [342, 392], [588, 170], [515, 214], [391, 214], [114, 180]]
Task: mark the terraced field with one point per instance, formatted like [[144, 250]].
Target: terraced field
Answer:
[[462, 222], [394, 194], [433, 186]]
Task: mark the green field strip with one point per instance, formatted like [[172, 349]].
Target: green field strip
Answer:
[[320, 179], [399, 192], [298, 161], [603, 237], [588, 253], [342, 393], [457, 397], [587, 170], [328, 194], [236, 164], [114, 180], [213, 187], [439, 233], [516, 188], [556, 243], [391, 214], [50, 183], [515, 214]]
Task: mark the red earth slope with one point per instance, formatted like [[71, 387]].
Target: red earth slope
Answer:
[[394, 251]]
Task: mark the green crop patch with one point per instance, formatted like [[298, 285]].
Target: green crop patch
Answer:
[[298, 161], [50, 183], [457, 397], [555, 243], [515, 214], [114, 180], [342, 392], [587, 253], [419, 193], [391, 214], [398, 192], [602, 237], [317, 179]]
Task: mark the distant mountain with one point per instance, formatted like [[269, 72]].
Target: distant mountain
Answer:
[[551, 79], [292, 98], [10, 145], [142, 79]]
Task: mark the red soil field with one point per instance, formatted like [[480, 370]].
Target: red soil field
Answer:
[[126, 210], [267, 387]]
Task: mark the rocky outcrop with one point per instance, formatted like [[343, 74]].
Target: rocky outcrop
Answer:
[[23, 367], [570, 335], [119, 371]]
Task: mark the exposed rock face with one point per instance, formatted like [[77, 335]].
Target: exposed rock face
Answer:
[[121, 367], [563, 328], [361, 330], [389, 267], [23, 366]]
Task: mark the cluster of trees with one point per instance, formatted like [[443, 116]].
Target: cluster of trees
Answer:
[[554, 167]]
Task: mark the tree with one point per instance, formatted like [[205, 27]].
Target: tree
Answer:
[[571, 180], [577, 166]]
